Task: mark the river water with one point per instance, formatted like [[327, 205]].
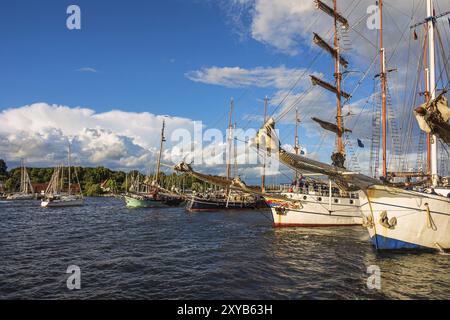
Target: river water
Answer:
[[170, 254]]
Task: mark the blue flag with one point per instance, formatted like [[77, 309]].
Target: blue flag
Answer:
[[360, 144]]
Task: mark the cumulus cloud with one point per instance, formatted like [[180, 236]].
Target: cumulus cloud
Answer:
[[40, 133]]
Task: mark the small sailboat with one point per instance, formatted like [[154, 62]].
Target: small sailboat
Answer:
[[26, 191], [151, 194], [56, 195]]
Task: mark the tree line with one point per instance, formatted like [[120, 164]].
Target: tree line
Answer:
[[91, 179]]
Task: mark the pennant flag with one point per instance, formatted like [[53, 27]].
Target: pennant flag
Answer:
[[415, 34], [360, 144], [448, 21]]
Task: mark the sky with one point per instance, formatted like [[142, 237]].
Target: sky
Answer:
[[108, 86]]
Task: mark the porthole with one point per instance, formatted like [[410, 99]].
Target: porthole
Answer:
[[319, 199], [351, 201], [305, 197], [336, 200]]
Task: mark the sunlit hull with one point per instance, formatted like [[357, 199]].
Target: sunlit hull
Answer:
[[144, 202], [400, 219], [21, 196], [63, 202], [314, 211]]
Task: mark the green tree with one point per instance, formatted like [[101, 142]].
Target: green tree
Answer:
[[93, 190]]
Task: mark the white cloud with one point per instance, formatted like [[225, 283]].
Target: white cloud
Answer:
[[118, 139], [233, 77], [87, 69]]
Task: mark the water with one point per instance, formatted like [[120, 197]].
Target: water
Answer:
[[170, 254]]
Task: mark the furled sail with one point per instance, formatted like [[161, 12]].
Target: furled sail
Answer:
[[232, 184], [330, 126], [328, 86], [349, 181], [433, 117], [324, 45], [325, 8]]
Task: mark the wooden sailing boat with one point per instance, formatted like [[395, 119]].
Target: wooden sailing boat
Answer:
[[324, 204], [153, 195], [56, 194], [227, 198], [26, 191]]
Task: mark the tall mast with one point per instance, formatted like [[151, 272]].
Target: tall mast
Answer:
[[230, 131], [432, 86], [235, 172], [383, 92], [158, 165], [427, 98], [338, 157], [263, 176], [338, 76], [296, 142], [68, 160], [22, 176]]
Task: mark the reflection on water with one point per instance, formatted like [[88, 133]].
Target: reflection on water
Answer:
[[169, 254]]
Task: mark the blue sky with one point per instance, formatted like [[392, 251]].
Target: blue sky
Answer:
[[132, 61], [140, 49]]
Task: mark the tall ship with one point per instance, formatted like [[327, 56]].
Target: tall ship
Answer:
[[397, 214], [57, 193], [225, 198], [26, 191], [407, 219], [324, 203], [149, 194]]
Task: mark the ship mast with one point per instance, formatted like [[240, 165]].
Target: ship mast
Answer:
[[230, 131], [296, 142], [427, 99], [22, 176], [338, 77], [383, 92], [338, 157], [158, 165], [68, 162], [432, 86], [263, 176]]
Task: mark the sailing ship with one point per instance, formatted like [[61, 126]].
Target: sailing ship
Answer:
[[56, 195], [26, 191], [151, 194], [396, 218], [324, 204], [235, 186], [226, 198]]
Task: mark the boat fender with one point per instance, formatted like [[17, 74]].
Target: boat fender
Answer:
[[385, 222]]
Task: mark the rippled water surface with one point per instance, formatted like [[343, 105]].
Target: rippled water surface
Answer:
[[170, 254]]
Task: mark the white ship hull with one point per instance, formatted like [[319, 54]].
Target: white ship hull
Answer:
[[400, 219], [63, 202], [315, 211]]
